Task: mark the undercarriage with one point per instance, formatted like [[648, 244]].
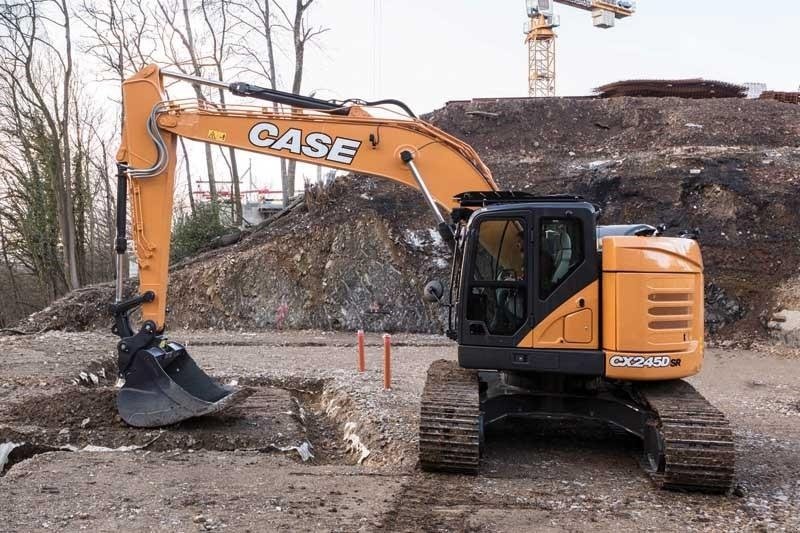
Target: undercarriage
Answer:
[[687, 442]]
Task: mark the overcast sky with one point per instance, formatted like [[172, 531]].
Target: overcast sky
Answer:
[[427, 52]]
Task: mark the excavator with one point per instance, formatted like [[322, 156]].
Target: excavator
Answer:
[[554, 315]]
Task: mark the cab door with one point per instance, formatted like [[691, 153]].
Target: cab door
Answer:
[[566, 278], [496, 280]]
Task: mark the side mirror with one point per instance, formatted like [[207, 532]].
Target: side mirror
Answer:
[[433, 291]]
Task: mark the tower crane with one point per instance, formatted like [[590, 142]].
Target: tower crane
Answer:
[[541, 37]]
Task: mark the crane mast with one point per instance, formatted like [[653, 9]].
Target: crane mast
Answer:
[[540, 35]]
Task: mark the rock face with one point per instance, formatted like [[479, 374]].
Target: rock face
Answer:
[[358, 254], [353, 261]]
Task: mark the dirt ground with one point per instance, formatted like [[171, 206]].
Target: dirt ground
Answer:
[[243, 471]]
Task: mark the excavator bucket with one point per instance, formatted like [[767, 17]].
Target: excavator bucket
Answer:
[[163, 385]]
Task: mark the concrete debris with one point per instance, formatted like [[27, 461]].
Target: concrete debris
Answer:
[[89, 378], [5, 450], [486, 114], [304, 450], [785, 327]]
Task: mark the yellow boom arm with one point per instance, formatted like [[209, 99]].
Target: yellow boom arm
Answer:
[[403, 149]]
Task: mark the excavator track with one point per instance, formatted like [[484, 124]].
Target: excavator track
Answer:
[[450, 420], [692, 445]]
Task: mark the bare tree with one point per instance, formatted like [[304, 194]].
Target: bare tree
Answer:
[[120, 36], [41, 74], [218, 23], [302, 34], [184, 31], [257, 20], [260, 23], [57, 161], [64, 193]]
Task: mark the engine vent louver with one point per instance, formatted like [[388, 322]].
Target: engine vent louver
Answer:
[[670, 310]]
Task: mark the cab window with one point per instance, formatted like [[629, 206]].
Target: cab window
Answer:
[[501, 251], [560, 252]]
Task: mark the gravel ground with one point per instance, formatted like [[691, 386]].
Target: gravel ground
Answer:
[[537, 475]]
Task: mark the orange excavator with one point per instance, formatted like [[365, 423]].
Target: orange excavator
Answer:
[[553, 314]]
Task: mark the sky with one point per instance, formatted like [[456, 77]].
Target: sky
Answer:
[[426, 52]]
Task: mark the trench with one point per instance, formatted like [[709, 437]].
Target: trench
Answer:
[[16, 453], [289, 416]]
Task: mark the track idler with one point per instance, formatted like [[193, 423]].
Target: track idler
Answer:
[[162, 383]]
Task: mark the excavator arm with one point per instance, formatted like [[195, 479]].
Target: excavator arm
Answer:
[[163, 385]]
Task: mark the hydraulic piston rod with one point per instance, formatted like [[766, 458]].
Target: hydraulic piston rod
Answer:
[[121, 243], [444, 228]]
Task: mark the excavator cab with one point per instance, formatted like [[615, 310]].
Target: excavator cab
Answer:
[[527, 295], [523, 257]]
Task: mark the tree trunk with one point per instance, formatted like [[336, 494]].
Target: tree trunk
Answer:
[[212, 184], [273, 82], [297, 82], [237, 192], [188, 174], [70, 241]]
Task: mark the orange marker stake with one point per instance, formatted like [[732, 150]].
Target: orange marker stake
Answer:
[[387, 361], [362, 362]]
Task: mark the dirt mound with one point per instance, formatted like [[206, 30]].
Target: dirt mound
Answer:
[[728, 167], [355, 258], [83, 309], [357, 255]]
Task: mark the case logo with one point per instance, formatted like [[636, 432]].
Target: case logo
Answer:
[[315, 145]]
